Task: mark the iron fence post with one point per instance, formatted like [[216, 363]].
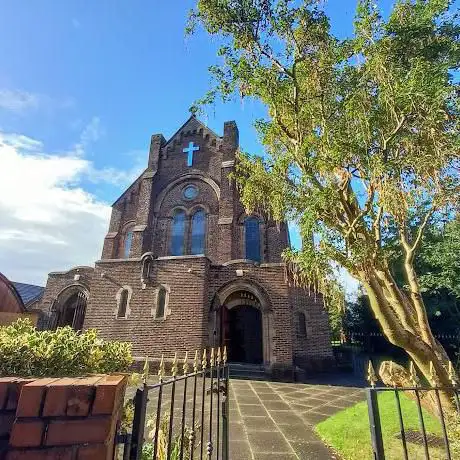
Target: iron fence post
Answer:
[[374, 423], [225, 414], [140, 408]]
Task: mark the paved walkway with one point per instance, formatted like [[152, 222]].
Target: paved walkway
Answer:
[[270, 420]]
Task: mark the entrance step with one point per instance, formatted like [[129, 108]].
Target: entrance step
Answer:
[[247, 371]]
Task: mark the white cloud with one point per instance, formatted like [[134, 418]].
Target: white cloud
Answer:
[[113, 176], [92, 132], [21, 142], [18, 101], [22, 102], [48, 221]]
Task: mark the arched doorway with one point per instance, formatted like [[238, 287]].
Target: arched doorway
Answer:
[[69, 309], [241, 317], [241, 328]]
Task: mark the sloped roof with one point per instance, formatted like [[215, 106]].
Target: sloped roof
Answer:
[[191, 124], [29, 293]]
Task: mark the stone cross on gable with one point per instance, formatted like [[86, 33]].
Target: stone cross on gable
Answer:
[[189, 151]]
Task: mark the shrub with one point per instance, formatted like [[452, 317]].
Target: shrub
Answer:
[[162, 449], [25, 352]]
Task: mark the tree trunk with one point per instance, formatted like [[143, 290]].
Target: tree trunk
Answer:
[[391, 311]]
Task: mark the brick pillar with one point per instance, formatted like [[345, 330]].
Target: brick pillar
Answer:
[[68, 418], [109, 251], [227, 249], [156, 143], [142, 230]]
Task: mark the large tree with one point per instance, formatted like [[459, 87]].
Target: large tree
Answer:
[[362, 135]]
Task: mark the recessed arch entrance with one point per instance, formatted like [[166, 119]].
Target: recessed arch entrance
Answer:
[[242, 321], [69, 308]]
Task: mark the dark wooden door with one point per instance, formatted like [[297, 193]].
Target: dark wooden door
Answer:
[[224, 327]]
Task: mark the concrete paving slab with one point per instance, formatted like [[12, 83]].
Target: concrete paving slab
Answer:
[[259, 424], [252, 410], [263, 441], [240, 450], [275, 456]]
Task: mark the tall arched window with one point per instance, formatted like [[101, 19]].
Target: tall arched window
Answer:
[[123, 304], [128, 241], [178, 234], [161, 303], [198, 232], [301, 324], [252, 237]]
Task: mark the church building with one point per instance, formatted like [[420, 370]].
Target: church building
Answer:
[[183, 267]]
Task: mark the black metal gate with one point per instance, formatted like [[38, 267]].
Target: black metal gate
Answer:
[[185, 416], [429, 445]]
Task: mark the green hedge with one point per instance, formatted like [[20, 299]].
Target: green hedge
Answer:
[[24, 351]]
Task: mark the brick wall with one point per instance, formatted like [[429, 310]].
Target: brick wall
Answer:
[[312, 351], [65, 419], [181, 330]]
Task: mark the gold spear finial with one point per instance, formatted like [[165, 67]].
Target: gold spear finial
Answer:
[[195, 362], [211, 361], [219, 356], [452, 375], [146, 370], [371, 375], [185, 364], [413, 374], [433, 375], [225, 354], [161, 369], [204, 362], [174, 366]]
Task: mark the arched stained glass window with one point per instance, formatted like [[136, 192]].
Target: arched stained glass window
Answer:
[[128, 243], [178, 234], [198, 232], [252, 236], [161, 303]]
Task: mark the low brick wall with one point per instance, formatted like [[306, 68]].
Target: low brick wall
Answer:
[[64, 418]]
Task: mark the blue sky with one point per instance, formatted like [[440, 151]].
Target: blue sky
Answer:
[[83, 85]]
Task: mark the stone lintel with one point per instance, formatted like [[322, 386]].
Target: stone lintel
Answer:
[[189, 256], [225, 220], [113, 261], [111, 235], [240, 261]]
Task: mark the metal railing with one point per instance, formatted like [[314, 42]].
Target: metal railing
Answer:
[[187, 412], [417, 393]]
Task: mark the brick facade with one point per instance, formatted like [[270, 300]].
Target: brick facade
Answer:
[[198, 290]]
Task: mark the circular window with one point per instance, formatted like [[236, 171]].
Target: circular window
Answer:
[[190, 192]]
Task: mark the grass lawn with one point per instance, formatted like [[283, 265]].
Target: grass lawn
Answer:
[[347, 432]]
